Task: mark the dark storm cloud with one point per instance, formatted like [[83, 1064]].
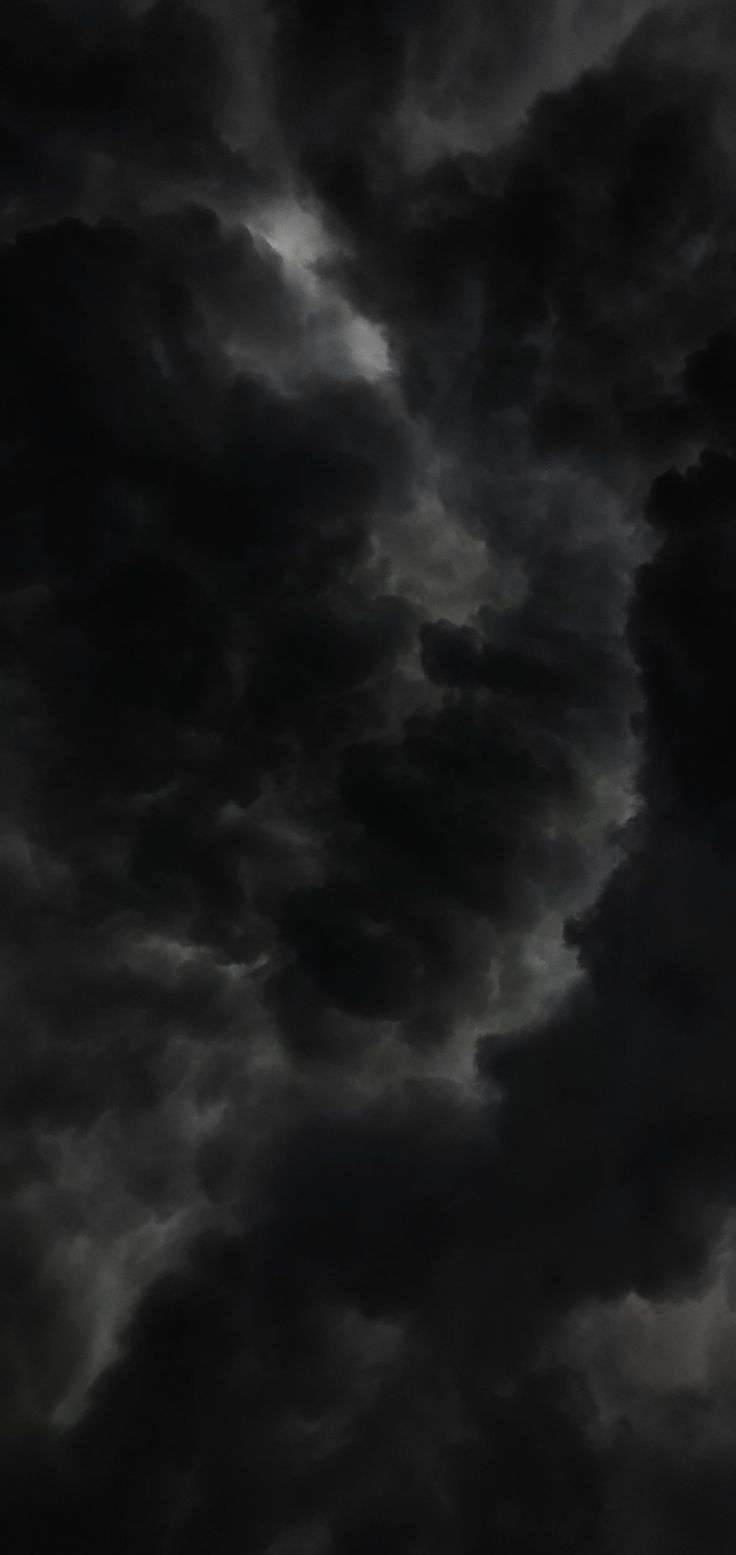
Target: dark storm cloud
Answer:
[[132, 99], [286, 805]]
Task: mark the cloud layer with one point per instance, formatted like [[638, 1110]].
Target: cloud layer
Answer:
[[367, 581]]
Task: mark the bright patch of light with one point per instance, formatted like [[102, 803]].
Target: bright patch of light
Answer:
[[339, 341]]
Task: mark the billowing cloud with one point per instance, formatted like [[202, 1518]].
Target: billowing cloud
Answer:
[[367, 583]]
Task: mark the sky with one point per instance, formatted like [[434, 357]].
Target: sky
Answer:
[[368, 780]]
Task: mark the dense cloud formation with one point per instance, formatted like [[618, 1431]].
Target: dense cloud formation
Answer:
[[368, 848]]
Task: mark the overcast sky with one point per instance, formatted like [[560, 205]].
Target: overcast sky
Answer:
[[368, 777]]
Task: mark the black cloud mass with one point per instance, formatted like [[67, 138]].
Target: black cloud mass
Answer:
[[368, 828]]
